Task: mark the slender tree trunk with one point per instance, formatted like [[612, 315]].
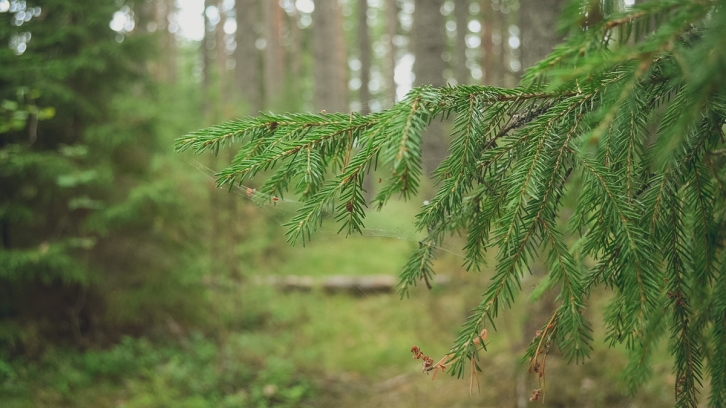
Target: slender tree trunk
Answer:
[[341, 59], [511, 78], [296, 57], [364, 49], [489, 60], [274, 55], [170, 39], [461, 14], [390, 65], [364, 94], [649, 27], [208, 107], [208, 44], [329, 61], [221, 57], [247, 56], [429, 42], [147, 14], [537, 21], [493, 25]]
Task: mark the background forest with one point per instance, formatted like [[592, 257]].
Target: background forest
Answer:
[[128, 280]]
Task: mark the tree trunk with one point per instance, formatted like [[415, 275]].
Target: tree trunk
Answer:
[[296, 57], [329, 65], [461, 14], [537, 21], [390, 65], [364, 49], [221, 57], [170, 39], [247, 56], [207, 57], [364, 94], [274, 55], [429, 42], [511, 78], [489, 60]]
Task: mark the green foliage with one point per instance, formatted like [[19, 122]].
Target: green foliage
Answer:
[[15, 114], [627, 117], [144, 374], [91, 220]]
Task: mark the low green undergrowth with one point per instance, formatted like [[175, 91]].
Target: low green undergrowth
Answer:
[[194, 372]]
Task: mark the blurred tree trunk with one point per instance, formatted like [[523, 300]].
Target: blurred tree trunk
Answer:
[[147, 14], [364, 94], [364, 48], [329, 60], [461, 14], [391, 31], [208, 107], [429, 42], [170, 40], [650, 26], [296, 57], [207, 47], [489, 60], [247, 56], [274, 55], [341, 58], [509, 19], [537, 21], [221, 56], [154, 17]]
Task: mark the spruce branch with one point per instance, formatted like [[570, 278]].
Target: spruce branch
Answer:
[[626, 124]]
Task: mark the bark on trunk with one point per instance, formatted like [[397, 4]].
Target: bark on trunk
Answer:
[[295, 56], [489, 60], [364, 48], [247, 56], [331, 85], [538, 19], [429, 42], [461, 14], [170, 40], [207, 57], [274, 55], [221, 56], [364, 94], [391, 31]]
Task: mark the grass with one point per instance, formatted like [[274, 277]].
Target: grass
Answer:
[[262, 347]]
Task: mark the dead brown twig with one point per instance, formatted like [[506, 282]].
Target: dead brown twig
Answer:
[[428, 363], [538, 366]]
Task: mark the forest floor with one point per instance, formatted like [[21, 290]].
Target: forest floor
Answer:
[[271, 347]]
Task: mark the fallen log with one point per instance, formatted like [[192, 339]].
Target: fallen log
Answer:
[[352, 285]]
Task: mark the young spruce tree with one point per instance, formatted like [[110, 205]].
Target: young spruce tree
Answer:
[[626, 116]]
